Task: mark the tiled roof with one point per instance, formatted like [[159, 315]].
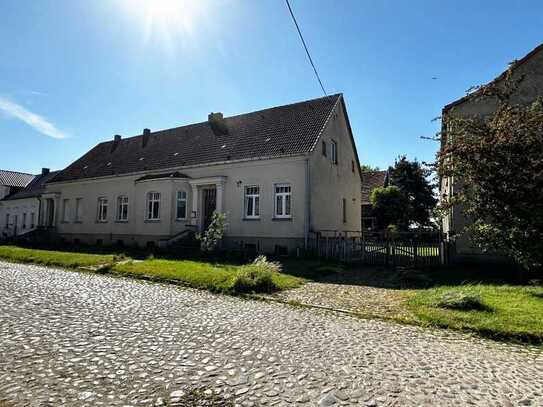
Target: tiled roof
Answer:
[[35, 188], [270, 133], [371, 180], [15, 179]]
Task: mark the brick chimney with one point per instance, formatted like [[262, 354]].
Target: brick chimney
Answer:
[[116, 142], [45, 171], [217, 123], [145, 137]]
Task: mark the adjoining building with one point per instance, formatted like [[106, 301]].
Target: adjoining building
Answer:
[[370, 181], [20, 211], [528, 73]]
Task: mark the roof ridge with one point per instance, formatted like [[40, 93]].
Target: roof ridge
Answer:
[[512, 66]]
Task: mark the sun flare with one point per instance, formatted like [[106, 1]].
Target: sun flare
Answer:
[[168, 21]]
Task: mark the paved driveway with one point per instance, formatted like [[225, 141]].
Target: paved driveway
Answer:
[[71, 338]]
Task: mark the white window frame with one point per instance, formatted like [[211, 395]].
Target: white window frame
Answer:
[[333, 152], [153, 198], [102, 214], [283, 201], [180, 198], [65, 203], [122, 201], [251, 194], [78, 210]]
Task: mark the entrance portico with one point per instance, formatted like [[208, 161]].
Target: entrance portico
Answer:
[[207, 197], [48, 215]]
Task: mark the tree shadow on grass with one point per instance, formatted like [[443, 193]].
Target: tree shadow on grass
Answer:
[[410, 278]]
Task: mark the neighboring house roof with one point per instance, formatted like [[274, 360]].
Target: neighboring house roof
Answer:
[[370, 181], [15, 179], [514, 65], [270, 133], [35, 188]]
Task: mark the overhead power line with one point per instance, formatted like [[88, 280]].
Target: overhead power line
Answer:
[[305, 46]]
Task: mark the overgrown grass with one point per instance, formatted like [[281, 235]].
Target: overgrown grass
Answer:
[[53, 257], [502, 311], [215, 277]]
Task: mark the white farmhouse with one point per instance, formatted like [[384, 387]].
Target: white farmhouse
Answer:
[[277, 174]]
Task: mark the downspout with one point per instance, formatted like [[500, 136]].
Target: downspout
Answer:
[[307, 212]]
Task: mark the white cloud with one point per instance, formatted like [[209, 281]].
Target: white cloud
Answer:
[[37, 122]]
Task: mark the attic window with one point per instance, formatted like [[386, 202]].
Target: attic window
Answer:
[[223, 146], [175, 154], [141, 158], [108, 164], [268, 139], [85, 167]]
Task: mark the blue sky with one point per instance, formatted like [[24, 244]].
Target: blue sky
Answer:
[[76, 72]]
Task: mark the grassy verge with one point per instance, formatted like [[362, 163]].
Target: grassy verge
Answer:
[[215, 277], [53, 258], [505, 312]]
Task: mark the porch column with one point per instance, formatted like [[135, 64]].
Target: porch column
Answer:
[[194, 215], [219, 187]]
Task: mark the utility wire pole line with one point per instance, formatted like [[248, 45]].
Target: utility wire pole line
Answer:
[[305, 47]]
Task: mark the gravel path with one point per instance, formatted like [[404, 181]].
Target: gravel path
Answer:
[[70, 338]]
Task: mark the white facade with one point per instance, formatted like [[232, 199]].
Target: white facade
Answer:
[[268, 202], [18, 216]]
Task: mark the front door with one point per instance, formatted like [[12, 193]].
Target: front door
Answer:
[[209, 204], [50, 212]]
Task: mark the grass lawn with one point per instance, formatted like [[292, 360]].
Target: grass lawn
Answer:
[[508, 312], [212, 276], [53, 257]]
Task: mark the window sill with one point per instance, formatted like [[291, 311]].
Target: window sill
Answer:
[[282, 219], [152, 221], [101, 221], [121, 221], [64, 222], [251, 219], [78, 221], [181, 220]]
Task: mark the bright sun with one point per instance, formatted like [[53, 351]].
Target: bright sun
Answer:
[[169, 21]]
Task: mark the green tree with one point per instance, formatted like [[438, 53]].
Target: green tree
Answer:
[[499, 160], [413, 180], [389, 205]]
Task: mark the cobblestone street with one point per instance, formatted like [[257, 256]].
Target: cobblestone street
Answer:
[[70, 338]]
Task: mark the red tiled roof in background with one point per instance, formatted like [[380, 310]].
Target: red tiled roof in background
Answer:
[[371, 180]]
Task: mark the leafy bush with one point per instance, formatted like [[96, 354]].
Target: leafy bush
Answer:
[[462, 301], [256, 277], [214, 232], [273, 266]]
